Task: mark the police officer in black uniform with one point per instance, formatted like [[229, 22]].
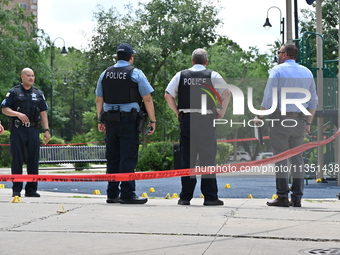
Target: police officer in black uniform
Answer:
[[120, 90], [197, 137], [26, 108]]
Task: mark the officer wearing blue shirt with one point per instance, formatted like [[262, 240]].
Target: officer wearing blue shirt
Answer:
[[26, 108], [121, 89], [297, 121]]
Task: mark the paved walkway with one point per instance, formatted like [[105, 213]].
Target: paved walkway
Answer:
[[64, 223]]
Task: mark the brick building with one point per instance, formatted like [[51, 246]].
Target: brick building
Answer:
[[31, 6]]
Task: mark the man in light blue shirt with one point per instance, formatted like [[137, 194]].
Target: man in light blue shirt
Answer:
[[293, 118], [121, 89]]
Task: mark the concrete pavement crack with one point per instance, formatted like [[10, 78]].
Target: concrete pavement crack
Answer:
[[26, 223], [305, 239]]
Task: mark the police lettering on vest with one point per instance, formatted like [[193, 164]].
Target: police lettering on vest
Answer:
[[118, 88], [194, 81], [192, 85], [116, 75]]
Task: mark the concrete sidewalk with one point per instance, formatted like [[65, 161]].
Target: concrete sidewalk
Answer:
[[62, 223]]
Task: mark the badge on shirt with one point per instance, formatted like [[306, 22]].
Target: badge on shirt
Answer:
[[34, 97]]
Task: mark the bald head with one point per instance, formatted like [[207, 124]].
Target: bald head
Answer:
[[27, 77]]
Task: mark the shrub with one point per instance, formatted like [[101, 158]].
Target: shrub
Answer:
[[53, 139], [5, 151], [80, 138], [224, 150], [160, 156], [156, 156]]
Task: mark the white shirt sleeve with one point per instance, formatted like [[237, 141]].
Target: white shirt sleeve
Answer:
[[219, 83], [172, 87]]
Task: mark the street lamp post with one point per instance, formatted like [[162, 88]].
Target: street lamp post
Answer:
[[64, 53], [73, 112], [267, 24]]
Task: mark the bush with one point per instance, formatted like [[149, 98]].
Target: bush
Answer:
[[80, 138], [224, 150], [53, 140], [156, 156], [160, 156], [5, 151]]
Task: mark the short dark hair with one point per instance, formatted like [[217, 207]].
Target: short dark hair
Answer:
[[291, 50], [200, 56], [124, 51], [123, 57]]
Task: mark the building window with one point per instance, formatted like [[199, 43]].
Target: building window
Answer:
[[24, 6]]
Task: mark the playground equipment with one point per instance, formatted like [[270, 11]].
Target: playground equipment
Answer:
[[329, 110]]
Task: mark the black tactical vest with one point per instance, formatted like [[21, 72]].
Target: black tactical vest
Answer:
[[192, 86], [118, 88], [28, 102]]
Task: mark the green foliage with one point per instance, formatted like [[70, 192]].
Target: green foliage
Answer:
[[224, 150], [176, 25], [156, 156], [160, 156], [330, 26], [82, 140], [243, 69], [18, 48], [5, 152], [90, 121], [53, 140], [163, 32]]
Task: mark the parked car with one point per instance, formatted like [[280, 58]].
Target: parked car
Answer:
[[263, 155], [240, 156]]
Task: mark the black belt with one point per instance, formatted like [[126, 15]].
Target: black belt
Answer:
[[121, 114], [125, 114], [192, 113], [294, 114], [27, 124]]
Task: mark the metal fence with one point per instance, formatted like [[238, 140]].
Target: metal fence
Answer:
[[72, 154]]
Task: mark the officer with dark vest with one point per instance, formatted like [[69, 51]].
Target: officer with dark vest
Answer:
[[26, 108], [198, 136], [120, 90]]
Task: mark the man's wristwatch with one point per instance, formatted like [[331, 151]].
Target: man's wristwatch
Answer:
[[151, 121], [47, 129], [308, 123]]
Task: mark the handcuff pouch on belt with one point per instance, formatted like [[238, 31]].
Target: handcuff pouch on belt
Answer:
[[142, 116], [180, 116], [116, 115], [113, 115]]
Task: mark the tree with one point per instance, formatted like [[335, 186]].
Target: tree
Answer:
[[18, 49], [177, 25], [330, 27], [243, 69], [164, 33]]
